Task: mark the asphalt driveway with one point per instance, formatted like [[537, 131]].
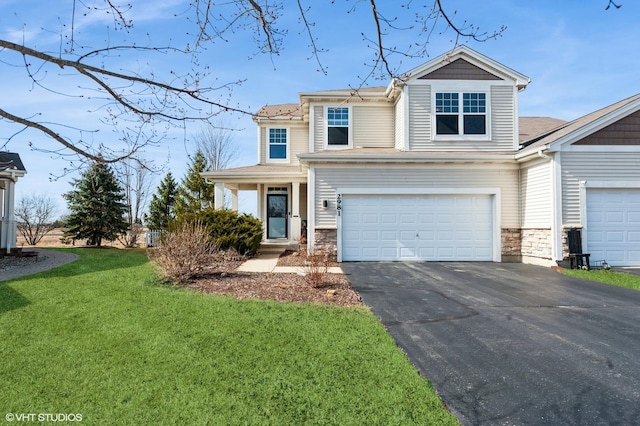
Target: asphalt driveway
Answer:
[[512, 344]]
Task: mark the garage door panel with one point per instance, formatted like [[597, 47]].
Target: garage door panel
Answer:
[[407, 253], [408, 236], [388, 218], [613, 225], [408, 227], [388, 235], [426, 253]]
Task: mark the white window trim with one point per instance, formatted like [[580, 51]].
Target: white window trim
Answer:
[[326, 128], [268, 146], [460, 90]]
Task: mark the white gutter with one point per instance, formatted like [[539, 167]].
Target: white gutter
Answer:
[[405, 158]]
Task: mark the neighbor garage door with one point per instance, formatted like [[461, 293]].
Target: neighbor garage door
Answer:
[[613, 226], [410, 227]]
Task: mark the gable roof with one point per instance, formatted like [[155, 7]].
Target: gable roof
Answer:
[[532, 127], [279, 112], [581, 127], [10, 161], [474, 59]]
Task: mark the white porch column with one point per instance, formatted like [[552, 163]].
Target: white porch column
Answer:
[[218, 196], [295, 211], [9, 221], [234, 200]]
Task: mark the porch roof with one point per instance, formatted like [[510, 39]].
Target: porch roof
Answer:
[[259, 173]]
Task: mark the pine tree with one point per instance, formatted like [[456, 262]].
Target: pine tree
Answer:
[[97, 207], [194, 194], [162, 205]]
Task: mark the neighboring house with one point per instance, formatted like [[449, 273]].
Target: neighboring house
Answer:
[[437, 166], [11, 168]]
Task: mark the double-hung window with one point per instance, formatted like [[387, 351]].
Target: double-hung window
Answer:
[[277, 144], [338, 126], [461, 113]]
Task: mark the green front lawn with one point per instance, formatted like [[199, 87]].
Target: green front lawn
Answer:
[[621, 279], [101, 338]]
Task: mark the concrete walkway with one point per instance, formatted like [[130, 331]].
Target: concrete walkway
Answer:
[[47, 259], [267, 261]]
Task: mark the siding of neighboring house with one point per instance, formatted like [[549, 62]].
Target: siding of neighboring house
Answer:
[[373, 126], [416, 176], [623, 132], [535, 187], [594, 166]]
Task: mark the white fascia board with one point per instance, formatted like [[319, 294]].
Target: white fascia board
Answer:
[[331, 95], [475, 58]]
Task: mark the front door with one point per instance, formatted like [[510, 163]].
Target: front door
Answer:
[[276, 216]]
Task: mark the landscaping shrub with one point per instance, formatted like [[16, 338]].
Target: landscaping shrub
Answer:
[[316, 267], [183, 252], [229, 229]]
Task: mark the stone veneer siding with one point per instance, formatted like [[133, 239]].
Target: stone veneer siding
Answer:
[[536, 243], [511, 241], [326, 240]]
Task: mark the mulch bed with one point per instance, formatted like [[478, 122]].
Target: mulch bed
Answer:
[[282, 287], [279, 287], [297, 258]]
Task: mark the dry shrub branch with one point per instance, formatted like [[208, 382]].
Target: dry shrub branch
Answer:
[[183, 252], [316, 266]]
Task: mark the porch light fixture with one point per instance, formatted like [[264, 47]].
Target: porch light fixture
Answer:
[[325, 204]]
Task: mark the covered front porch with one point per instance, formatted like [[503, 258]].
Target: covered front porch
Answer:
[[11, 168], [281, 197]]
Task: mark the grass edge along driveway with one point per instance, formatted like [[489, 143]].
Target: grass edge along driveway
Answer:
[[101, 338]]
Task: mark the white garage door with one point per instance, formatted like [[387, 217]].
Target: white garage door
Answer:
[[613, 226], [409, 227]]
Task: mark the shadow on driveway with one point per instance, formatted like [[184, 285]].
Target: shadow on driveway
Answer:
[[512, 343]]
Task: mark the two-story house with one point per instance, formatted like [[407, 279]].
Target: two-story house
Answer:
[[437, 166]]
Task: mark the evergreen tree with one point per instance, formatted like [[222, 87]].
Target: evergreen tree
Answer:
[[194, 194], [162, 205], [97, 208]]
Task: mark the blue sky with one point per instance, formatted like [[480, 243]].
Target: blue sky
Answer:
[[579, 58]]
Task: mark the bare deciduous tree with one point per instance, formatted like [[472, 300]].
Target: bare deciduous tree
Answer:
[[136, 180], [216, 143], [35, 214], [138, 100]]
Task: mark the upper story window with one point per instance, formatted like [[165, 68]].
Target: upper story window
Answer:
[[338, 126], [277, 144], [456, 118]]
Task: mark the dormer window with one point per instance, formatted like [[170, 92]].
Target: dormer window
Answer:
[[468, 117], [278, 149], [338, 134]]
